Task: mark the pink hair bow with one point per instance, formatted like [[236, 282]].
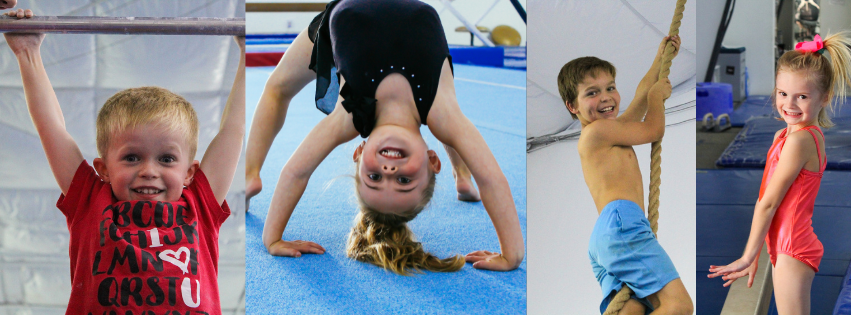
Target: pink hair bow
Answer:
[[817, 45]]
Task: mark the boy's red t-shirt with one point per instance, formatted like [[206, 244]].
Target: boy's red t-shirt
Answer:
[[139, 255]]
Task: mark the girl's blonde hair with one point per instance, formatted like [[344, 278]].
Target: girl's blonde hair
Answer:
[[831, 77], [384, 239]]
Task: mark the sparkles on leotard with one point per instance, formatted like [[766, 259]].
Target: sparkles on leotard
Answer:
[[366, 41], [791, 231]]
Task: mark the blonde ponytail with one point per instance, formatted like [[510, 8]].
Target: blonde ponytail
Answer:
[[838, 46], [384, 239]]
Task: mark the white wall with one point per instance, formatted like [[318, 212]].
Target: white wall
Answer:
[[502, 13], [835, 16], [562, 215], [708, 20], [752, 27]]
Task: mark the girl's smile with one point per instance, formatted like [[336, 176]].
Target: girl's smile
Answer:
[[393, 169], [797, 99]]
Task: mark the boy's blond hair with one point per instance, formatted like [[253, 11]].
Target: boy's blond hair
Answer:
[[574, 72], [134, 107]]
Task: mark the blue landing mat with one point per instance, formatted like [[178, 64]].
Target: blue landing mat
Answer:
[[843, 302], [725, 205], [333, 283], [741, 187], [753, 106], [760, 106], [750, 147]]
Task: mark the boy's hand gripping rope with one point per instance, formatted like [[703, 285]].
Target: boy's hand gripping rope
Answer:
[[624, 294]]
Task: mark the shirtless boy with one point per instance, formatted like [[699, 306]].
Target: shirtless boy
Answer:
[[623, 249]]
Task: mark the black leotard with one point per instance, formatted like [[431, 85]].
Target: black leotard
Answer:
[[367, 40]]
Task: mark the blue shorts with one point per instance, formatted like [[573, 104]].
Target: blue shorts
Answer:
[[623, 250]]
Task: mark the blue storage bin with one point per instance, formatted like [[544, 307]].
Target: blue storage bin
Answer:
[[715, 98]]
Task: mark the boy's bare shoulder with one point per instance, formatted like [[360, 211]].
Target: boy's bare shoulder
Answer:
[[596, 133], [592, 130]]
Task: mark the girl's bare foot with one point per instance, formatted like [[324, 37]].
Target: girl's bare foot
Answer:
[[466, 188]]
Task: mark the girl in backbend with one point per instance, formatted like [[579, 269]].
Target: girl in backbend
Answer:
[[393, 66]]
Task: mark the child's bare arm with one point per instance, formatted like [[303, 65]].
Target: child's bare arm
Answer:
[[638, 107], [222, 155], [289, 77], [62, 152], [333, 130], [628, 133], [792, 159], [450, 126]]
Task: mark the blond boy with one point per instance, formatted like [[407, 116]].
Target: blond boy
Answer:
[[144, 228], [623, 249]]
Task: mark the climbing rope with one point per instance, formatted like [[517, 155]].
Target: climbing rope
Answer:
[[624, 294]]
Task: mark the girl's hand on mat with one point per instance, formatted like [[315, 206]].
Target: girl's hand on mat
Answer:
[[727, 272], [489, 260], [294, 248]]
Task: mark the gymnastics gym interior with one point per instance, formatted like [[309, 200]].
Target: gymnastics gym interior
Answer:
[[490, 70], [735, 127]]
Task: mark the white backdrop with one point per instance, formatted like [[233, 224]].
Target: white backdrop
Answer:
[[85, 70], [561, 211]]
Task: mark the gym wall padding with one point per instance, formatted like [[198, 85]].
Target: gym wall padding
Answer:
[[725, 204], [843, 302], [756, 106], [750, 147]]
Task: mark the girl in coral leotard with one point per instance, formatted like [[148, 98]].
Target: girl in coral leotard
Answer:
[[806, 83]]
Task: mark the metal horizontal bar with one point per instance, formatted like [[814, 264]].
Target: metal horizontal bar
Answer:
[[285, 7], [124, 25]]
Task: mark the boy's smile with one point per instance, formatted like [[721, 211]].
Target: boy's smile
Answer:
[[597, 98], [149, 162], [797, 99]]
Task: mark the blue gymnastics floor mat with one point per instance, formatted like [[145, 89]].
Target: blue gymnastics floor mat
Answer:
[[725, 203], [843, 302], [750, 147], [761, 106], [494, 100]]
